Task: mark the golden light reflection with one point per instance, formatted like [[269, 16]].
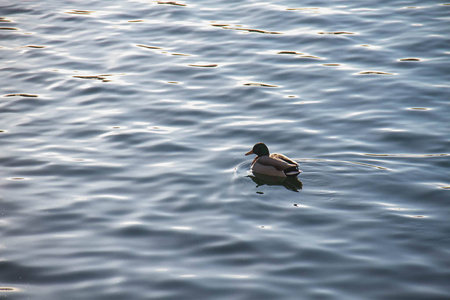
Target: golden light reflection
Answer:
[[80, 12], [400, 210], [8, 289]]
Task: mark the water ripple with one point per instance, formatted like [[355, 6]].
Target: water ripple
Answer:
[[124, 126]]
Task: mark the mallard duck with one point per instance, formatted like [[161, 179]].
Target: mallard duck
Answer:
[[274, 164]]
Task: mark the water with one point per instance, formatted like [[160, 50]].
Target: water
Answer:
[[124, 126]]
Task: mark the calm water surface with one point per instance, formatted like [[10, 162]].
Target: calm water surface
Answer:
[[123, 130]]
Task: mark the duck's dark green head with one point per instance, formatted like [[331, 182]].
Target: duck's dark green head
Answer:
[[259, 149]]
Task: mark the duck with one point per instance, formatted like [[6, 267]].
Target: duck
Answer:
[[274, 164]]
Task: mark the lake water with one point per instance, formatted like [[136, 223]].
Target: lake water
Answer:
[[124, 125]]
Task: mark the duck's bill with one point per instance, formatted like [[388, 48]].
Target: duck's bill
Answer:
[[249, 152]]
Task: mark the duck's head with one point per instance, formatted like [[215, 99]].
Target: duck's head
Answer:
[[259, 149]]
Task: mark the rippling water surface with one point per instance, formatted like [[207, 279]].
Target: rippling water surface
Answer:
[[123, 130]]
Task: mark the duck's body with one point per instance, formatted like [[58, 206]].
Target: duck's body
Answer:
[[274, 164]]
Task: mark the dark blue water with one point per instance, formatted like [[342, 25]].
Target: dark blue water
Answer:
[[123, 128]]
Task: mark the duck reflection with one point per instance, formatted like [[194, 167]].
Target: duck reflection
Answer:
[[291, 183]]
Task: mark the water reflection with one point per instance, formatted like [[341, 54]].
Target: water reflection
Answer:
[[291, 183]]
